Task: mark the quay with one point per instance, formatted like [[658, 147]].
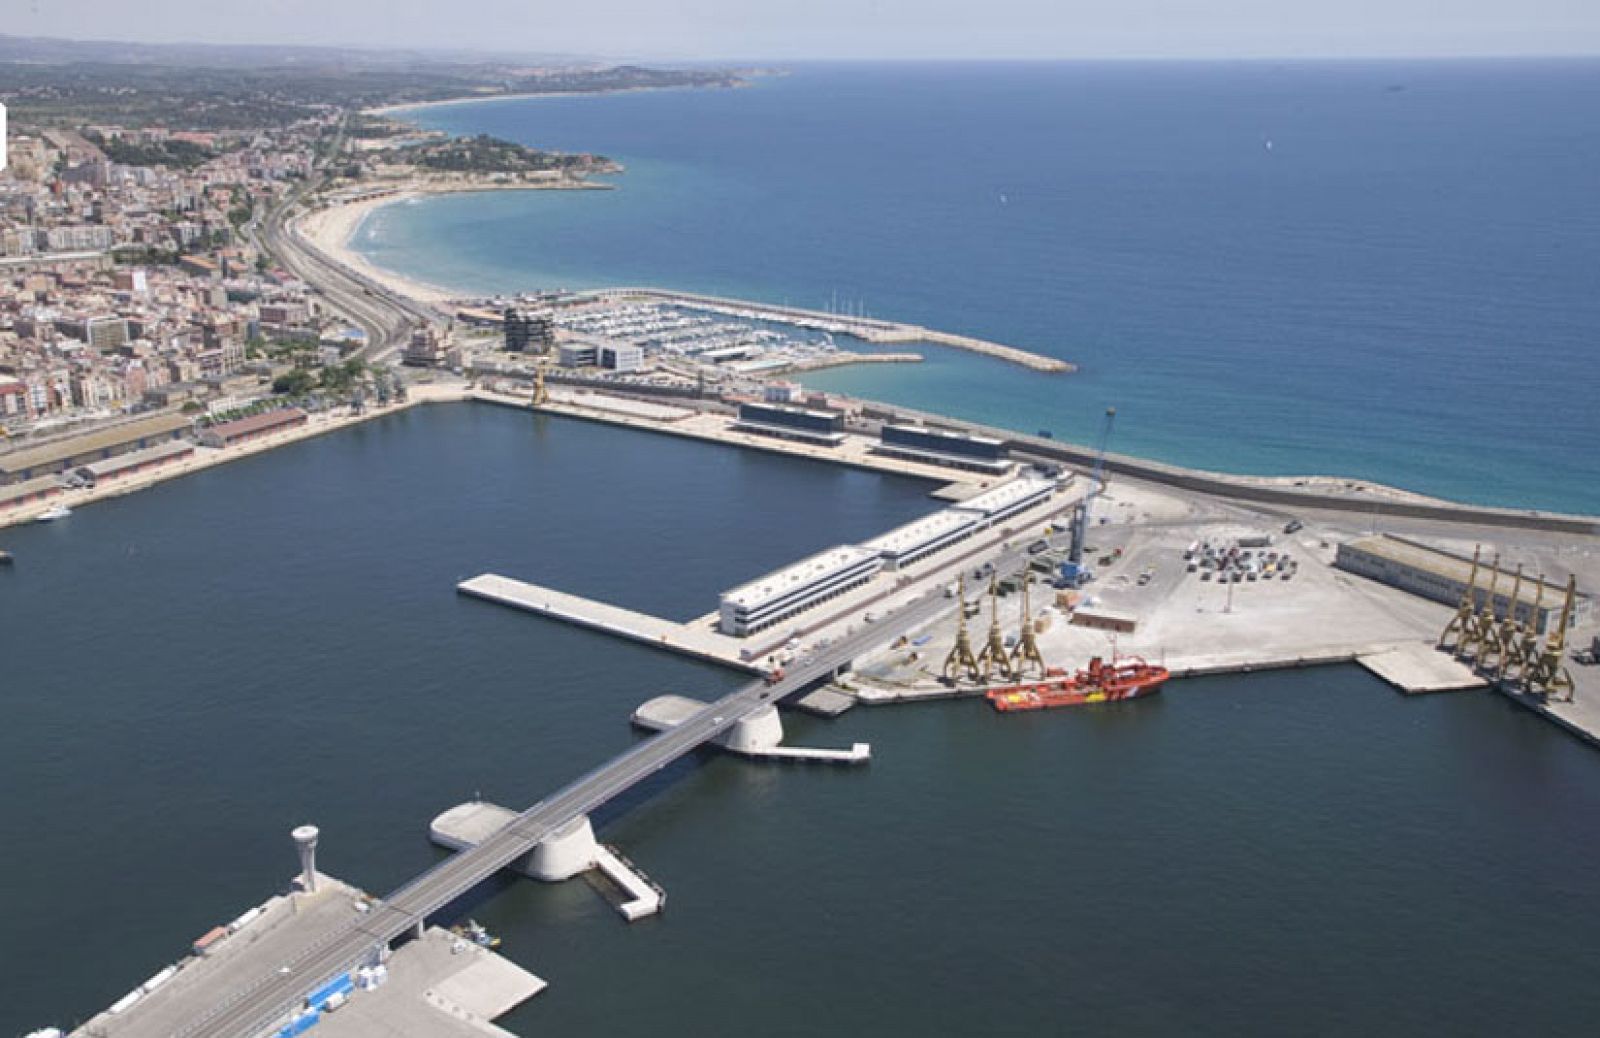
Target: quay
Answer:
[[868, 329], [688, 639]]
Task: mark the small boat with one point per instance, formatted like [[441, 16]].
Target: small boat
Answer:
[[53, 513], [473, 931], [1125, 677], [6, 558]]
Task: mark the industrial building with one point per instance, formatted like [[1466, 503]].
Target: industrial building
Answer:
[[124, 465], [785, 421], [29, 492], [56, 457], [783, 593], [944, 447], [920, 538], [1443, 577], [230, 434], [527, 331], [600, 353], [1007, 499]]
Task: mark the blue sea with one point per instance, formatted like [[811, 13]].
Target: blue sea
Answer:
[[1385, 270]]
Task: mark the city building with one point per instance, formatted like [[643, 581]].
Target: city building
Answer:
[[944, 447], [810, 425], [28, 492], [425, 349], [784, 593], [528, 331], [244, 430], [1442, 577]]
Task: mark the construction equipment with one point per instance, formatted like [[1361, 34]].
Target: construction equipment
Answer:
[[1497, 645], [1025, 653], [961, 663], [541, 392], [1482, 625], [1080, 520], [1455, 632], [1547, 675], [1525, 646], [993, 658]]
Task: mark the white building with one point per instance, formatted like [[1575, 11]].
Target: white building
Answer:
[[916, 540], [1008, 499], [784, 593]]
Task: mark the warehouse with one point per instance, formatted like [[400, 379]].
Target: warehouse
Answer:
[[124, 465], [783, 593], [917, 540], [809, 425], [1008, 499], [56, 457], [943, 447], [244, 430], [32, 492], [1442, 576]]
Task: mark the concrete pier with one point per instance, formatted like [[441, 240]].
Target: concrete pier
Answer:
[[1418, 667], [690, 640], [758, 736], [568, 852]]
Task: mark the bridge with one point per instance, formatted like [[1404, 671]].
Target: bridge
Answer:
[[257, 1006]]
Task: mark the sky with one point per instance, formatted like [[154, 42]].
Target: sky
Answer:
[[849, 29]]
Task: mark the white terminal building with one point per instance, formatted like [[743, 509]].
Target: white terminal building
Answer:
[[782, 593], [792, 590]]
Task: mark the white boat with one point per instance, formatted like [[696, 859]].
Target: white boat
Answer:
[[53, 513]]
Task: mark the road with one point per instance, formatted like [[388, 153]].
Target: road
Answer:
[[257, 1007]]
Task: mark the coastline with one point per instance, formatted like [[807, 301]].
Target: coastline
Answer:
[[331, 228], [390, 111]]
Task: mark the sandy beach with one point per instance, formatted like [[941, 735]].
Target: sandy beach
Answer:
[[329, 231]]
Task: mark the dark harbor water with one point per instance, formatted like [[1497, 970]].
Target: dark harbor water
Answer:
[[192, 670]]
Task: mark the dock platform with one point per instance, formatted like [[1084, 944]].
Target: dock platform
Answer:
[[689, 639], [1419, 668]]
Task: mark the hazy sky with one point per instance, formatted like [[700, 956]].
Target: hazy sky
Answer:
[[789, 29]]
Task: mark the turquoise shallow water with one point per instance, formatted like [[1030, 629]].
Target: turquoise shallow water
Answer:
[[1404, 286], [192, 670]]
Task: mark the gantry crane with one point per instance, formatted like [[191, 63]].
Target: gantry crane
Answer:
[[1455, 632], [1492, 657], [1547, 675], [1525, 646], [1080, 524], [1481, 627], [541, 392], [961, 663], [993, 658], [1025, 654]]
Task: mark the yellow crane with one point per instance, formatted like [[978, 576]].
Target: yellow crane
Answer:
[[1025, 654], [1481, 627], [1456, 630], [1492, 658], [961, 663], [541, 392], [1547, 675], [1525, 646], [992, 658]]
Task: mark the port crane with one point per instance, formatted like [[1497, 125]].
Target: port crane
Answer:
[[1080, 521], [961, 662], [1455, 632]]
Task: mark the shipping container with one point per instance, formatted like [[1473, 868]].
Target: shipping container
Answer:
[[339, 985]]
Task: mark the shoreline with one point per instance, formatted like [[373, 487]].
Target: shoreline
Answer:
[[390, 111], [331, 228]]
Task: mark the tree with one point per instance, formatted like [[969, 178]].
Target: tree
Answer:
[[295, 383]]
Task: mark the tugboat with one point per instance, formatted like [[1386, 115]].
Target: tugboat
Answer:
[[1125, 677]]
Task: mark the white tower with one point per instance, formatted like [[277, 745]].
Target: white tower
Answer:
[[305, 840]]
